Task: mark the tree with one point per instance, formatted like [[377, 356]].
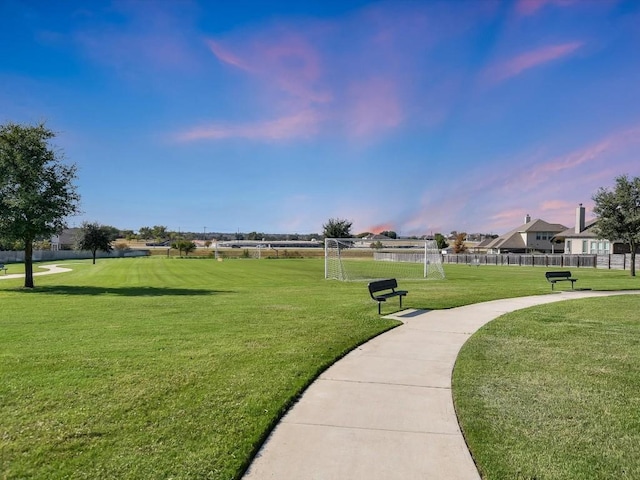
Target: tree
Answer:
[[337, 228], [145, 233], [37, 191], [186, 246], [159, 232], [441, 241], [618, 212], [95, 237], [458, 245], [389, 233]]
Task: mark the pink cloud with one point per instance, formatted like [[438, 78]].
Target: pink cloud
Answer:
[[508, 219], [381, 227], [373, 106], [555, 206], [532, 59], [226, 56], [576, 160], [302, 124], [530, 7], [284, 62]]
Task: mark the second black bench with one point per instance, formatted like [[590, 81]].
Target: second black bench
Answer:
[[553, 277], [380, 290]]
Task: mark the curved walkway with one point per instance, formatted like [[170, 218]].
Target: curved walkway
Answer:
[[385, 410], [50, 269]]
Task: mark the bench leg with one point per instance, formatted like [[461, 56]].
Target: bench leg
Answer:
[[400, 302], [379, 304]]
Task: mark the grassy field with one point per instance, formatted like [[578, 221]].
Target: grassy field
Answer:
[[552, 392], [177, 368]]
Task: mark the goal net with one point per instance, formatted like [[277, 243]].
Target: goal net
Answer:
[[351, 259]]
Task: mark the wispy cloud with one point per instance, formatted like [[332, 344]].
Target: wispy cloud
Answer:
[[574, 162], [359, 74], [530, 7], [150, 37], [548, 188], [373, 105], [302, 124], [531, 59], [226, 56]]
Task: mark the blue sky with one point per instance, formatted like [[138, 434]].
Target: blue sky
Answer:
[[274, 116]]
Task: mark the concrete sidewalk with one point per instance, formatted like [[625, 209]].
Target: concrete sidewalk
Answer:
[[50, 269], [385, 410]]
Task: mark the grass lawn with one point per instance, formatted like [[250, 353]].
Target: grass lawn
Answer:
[[177, 368], [551, 392]]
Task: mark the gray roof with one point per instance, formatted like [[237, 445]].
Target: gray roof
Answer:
[[513, 239], [588, 232]]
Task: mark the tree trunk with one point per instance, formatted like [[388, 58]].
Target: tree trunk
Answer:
[[633, 261], [28, 263], [94, 256]]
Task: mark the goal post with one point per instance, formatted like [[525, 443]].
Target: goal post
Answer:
[[352, 259]]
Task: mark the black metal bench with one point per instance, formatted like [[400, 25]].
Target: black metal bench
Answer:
[[553, 277], [2, 267], [380, 290]]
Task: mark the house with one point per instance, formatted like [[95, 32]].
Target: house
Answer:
[[532, 236], [65, 240], [583, 238]]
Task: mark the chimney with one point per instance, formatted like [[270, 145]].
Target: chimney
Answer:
[[579, 218], [527, 218]]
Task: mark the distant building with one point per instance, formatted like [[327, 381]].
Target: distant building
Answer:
[[65, 240], [584, 238], [532, 236]]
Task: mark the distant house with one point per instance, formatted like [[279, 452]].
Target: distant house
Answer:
[[583, 238], [532, 236], [65, 240]]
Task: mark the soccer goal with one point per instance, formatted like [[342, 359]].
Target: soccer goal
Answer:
[[351, 259]]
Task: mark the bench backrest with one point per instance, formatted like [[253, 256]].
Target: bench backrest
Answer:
[[552, 275], [379, 285]]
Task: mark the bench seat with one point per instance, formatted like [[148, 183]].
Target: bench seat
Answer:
[[380, 290], [553, 277]]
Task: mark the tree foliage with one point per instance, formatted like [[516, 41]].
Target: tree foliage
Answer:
[[37, 191], [441, 241], [618, 212], [186, 246], [389, 233], [337, 228], [458, 244], [96, 237]]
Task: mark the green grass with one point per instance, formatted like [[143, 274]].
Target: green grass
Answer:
[[171, 368], [551, 392]]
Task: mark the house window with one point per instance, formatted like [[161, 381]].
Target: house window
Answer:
[[584, 246], [567, 247], [599, 247]]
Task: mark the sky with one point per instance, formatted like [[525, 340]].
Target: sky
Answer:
[[275, 116]]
